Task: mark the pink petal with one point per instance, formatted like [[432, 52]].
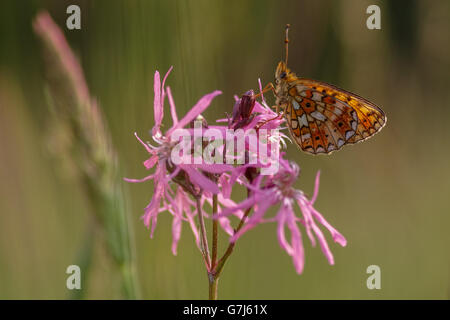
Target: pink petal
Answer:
[[308, 220], [163, 90], [336, 235], [295, 249], [199, 107], [316, 188], [226, 187], [149, 150], [173, 110], [154, 221], [281, 217], [140, 180], [165, 77], [157, 105], [226, 225], [323, 244], [200, 180], [176, 233], [256, 217], [151, 211], [298, 255], [260, 109], [183, 201], [247, 203], [150, 163], [260, 90], [320, 236], [193, 226], [230, 204]]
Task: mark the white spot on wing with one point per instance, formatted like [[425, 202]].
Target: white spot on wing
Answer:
[[303, 121], [349, 134], [306, 136], [317, 115], [295, 104], [317, 96], [320, 149], [337, 111]]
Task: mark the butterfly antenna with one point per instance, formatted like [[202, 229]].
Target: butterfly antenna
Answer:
[[286, 42]]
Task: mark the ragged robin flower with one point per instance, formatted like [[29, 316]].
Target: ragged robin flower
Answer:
[[190, 177], [278, 190]]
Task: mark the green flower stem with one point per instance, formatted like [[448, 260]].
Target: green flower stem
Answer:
[[214, 235], [203, 239], [212, 279], [216, 271], [213, 287]]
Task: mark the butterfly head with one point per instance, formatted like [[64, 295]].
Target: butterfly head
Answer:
[[283, 74]]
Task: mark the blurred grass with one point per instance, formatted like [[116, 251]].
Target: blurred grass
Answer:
[[388, 196]]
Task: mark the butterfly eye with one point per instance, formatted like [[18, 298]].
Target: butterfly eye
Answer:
[[283, 75]]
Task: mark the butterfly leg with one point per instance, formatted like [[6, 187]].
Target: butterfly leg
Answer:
[[268, 87], [279, 115]]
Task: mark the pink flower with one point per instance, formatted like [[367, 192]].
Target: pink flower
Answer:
[[268, 191], [163, 151], [166, 173]]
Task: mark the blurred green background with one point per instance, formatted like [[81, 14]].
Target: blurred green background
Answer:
[[389, 196]]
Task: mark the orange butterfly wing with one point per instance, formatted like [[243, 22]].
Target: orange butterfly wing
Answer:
[[323, 118]]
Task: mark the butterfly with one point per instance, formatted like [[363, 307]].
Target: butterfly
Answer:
[[323, 118]]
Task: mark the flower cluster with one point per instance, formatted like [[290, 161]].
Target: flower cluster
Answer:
[[184, 188]]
